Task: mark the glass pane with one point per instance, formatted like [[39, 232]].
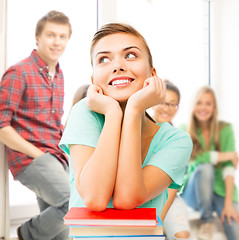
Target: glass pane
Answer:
[[175, 31], [75, 62]]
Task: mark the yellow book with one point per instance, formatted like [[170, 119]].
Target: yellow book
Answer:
[[114, 231]]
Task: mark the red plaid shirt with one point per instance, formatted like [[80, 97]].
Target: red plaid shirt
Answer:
[[32, 103]]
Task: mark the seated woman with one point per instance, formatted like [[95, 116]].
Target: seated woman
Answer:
[[119, 157], [209, 183], [174, 215]]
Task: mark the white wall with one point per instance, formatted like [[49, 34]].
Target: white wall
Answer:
[[225, 52], [75, 62], [4, 207], [176, 32]]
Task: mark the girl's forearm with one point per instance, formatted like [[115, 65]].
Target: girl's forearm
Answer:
[[97, 178], [129, 186], [225, 156], [229, 186], [171, 196]]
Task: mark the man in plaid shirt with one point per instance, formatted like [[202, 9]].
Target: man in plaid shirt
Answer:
[[31, 107]]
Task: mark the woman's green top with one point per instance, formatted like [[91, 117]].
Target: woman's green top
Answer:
[[227, 144]]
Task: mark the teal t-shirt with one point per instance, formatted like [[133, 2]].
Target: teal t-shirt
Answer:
[[170, 150]]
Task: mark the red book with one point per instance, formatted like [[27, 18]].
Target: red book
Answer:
[[111, 217]]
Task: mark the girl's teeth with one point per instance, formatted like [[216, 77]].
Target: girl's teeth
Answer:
[[118, 82]]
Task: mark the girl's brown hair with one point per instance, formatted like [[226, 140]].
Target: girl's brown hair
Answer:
[[172, 87]]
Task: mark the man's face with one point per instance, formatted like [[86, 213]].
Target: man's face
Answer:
[[52, 42]]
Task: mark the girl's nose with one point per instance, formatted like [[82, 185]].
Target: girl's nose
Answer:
[[118, 66], [118, 70]]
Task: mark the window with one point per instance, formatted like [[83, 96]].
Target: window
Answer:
[[176, 33], [75, 62]]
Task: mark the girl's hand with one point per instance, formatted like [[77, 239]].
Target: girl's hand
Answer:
[[229, 212], [226, 156], [152, 93], [98, 102], [235, 159]]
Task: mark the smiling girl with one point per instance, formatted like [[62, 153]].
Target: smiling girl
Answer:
[[119, 157], [210, 177], [174, 215]]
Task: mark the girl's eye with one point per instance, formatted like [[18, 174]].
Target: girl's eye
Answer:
[[209, 104], [130, 55], [103, 60], [63, 37]]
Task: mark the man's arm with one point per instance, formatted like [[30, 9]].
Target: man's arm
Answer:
[[11, 138]]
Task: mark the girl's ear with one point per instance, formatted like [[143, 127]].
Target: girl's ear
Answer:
[[154, 73], [92, 79]]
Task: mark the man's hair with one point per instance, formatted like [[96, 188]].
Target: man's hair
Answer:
[[54, 17], [113, 28]]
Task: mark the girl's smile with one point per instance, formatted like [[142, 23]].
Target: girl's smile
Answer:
[[120, 65], [204, 108], [165, 113], [121, 81]]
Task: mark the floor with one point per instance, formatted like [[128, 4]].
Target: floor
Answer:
[[195, 223], [13, 232], [217, 234]]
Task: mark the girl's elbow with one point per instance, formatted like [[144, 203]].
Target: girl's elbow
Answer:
[[95, 204], [126, 202]]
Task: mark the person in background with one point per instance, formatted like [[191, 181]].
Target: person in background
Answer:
[[175, 214], [80, 93], [31, 107], [209, 182], [118, 156]]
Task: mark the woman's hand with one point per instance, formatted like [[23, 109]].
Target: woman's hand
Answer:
[[152, 93], [235, 159], [98, 102], [226, 156], [229, 212]]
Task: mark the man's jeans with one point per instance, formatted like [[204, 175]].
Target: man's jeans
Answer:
[[199, 195], [47, 177]]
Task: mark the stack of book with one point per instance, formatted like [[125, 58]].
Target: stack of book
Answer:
[[113, 223]]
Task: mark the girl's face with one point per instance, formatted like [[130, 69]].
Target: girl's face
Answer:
[[204, 108], [120, 65], [166, 112]]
